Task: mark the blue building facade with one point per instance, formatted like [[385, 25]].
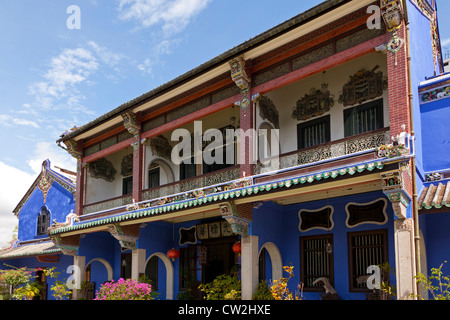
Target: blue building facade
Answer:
[[357, 182], [50, 198]]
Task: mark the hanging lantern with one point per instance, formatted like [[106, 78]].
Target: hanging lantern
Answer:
[[237, 247], [173, 254]]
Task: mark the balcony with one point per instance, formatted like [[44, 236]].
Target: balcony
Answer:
[[329, 151], [343, 148], [217, 178]]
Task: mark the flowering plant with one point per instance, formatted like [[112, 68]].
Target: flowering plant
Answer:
[[16, 276], [129, 289], [279, 288]]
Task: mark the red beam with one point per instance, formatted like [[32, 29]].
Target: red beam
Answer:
[[191, 117], [110, 150], [322, 65]]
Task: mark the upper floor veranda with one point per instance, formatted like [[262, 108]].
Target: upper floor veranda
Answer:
[[316, 90]]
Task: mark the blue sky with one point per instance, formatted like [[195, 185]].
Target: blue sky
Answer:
[[53, 77]]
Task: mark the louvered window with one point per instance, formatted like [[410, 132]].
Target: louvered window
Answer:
[[365, 249], [364, 118], [313, 132], [316, 261]]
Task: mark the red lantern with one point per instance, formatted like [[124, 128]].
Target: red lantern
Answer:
[[237, 247], [173, 254]]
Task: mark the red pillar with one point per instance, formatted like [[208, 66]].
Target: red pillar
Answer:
[[138, 164], [79, 195]]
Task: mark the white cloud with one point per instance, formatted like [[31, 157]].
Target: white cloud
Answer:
[[445, 42], [70, 68], [15, 184], [146, 66], [57, 156], [8, 120], [173, 16]]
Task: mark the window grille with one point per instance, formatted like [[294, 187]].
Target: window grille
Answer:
[[363, 118], [314, 132], [316, 254], [365, 249]]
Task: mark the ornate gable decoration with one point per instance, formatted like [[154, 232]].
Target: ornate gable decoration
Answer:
[[46, 180], [314, 104], [362, 86]]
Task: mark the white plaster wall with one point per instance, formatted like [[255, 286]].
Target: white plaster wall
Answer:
[[285, 98], [164, 176], [100, 189]]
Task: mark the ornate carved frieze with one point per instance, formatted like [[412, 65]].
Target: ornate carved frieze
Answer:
[[435, 94], [314, 104], [241, 79], [362, 86], [127, 165], [268, 111], [68, 245], [102, 169], [161, 147], [393, 188], [391, 150], [392, 13], [72, 148], [238, 73], [71, 218], [229, 213], [129, 122], [126, 238]]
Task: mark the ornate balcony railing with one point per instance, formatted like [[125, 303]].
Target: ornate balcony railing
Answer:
[[213, 178], [108, 204], [334, 149]]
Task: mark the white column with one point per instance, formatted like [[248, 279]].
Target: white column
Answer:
[[79, 263], [404, 258], [137, 263], [249, 266]]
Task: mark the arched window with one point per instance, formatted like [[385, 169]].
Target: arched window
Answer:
[[43, 221]]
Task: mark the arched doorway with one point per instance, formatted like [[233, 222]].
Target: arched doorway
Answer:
[[271, 250], [97, 272], [152, 263]]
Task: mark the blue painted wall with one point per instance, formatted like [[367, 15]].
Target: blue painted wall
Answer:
[[435, 231], [279, 225], [59, 202], [436, 137]]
